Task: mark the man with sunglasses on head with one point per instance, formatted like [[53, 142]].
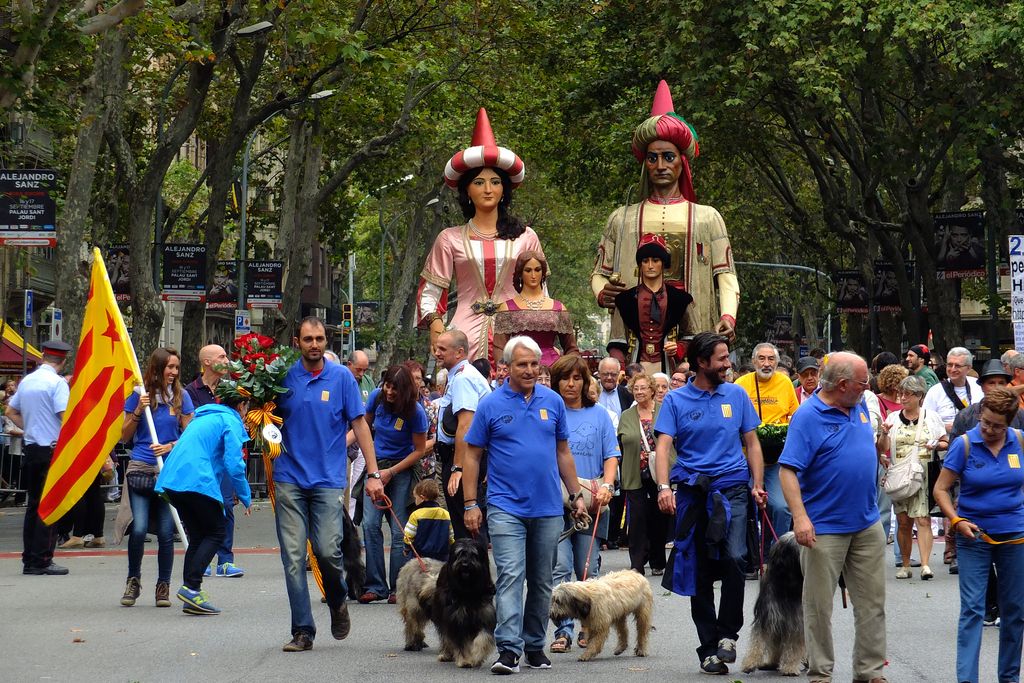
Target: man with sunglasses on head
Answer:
[[701, 255]]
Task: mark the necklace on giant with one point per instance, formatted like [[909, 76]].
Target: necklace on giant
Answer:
[[534, 304], [476, 231]]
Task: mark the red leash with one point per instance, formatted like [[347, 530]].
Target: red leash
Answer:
[[593, 535], [385, 504], [764, 517]]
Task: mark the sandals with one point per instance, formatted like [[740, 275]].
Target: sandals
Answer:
[[581, 640], [561, 644]]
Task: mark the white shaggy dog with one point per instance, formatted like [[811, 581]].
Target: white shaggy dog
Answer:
[[604, 602]]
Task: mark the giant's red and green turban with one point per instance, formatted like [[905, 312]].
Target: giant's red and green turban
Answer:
[[665, 124]]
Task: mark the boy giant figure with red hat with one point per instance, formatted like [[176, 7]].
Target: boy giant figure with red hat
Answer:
[[695, 235]]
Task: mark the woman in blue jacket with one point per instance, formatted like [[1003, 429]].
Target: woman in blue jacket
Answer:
[[209, 452], [399, 426]]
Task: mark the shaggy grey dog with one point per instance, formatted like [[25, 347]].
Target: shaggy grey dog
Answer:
[[458, 597], [777, 637], [605, 602]]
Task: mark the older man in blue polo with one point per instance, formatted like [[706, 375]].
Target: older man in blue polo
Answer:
[[523, 427], [711, 423]]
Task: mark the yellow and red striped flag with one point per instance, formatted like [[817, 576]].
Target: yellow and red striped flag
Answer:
[[106, 371]]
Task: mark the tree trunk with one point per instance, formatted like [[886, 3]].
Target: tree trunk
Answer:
[[108, 76]]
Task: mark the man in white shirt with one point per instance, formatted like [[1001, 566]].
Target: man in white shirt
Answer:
[[958, 387]]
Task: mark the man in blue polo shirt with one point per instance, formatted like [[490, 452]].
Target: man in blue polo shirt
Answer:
[[322, 403], [710, 422], [828, 478], [524, 429]]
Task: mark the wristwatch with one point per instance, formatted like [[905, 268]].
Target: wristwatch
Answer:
[[456, 468], [663, 487], [573, 497], [374, 475], [610, 487]]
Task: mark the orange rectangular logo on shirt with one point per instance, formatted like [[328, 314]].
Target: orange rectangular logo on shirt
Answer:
[[1014, 461], [325, 395], [726, 410], [398, 423], [543, 413], [863, 417]]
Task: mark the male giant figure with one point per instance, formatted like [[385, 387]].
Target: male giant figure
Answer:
[[701, 255]]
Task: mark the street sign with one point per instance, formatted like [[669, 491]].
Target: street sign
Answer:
[[1017, 278], [57, 324], [243, 325], [28, 308]]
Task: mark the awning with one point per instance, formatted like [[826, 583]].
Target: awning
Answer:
[[10, 351]]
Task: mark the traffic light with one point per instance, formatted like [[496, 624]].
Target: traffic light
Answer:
[[346, 318]]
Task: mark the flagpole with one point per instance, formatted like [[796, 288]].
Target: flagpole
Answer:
[[160, 467]]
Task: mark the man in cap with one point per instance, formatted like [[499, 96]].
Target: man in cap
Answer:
[[38, 408], [917, 362], [653, 312], [695, 234], [807, 370]]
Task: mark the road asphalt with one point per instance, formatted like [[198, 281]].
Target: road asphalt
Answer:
[[72, 628]]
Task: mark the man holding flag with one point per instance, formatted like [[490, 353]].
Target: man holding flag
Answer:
[[38, 408], [106, 369]]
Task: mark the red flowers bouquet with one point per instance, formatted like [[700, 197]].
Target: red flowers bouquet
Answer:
[[257, 370]]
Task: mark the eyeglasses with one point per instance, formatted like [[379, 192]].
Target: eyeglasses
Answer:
[[955, 365], [669, 157], [993, 426], [861, 382], [607, 374]]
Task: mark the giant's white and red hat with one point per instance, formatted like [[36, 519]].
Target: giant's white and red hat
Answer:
[[484, 152]]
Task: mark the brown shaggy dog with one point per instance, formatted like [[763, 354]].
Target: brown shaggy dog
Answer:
[[777, 637], [604, 602]]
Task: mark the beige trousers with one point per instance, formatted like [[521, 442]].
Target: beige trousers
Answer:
[[860, 557]]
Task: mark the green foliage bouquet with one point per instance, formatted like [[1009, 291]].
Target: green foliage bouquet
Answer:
[[772, 438]]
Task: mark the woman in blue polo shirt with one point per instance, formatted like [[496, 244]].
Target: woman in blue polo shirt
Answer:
[[989, 517], [172, 410], [595, 450], [399, 426]]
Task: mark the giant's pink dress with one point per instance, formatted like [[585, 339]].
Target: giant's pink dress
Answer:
[[482, 270]]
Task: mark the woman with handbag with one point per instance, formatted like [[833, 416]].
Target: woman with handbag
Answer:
[[648, 526], [596, 454], [399, 426], [172, 410], [989, 516], [912, 432]]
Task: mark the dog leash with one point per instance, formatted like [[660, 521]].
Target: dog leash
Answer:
[[764, 518], [593, 534], [385, 504]]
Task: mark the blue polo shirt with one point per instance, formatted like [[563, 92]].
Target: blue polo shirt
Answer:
[[836, 464], [521, 440], [165, 419], [392, 435], [592, 440], [317, 411], [706, 427], [991, 487]]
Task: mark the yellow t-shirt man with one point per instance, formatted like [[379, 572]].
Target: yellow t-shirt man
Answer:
[[777, 397]]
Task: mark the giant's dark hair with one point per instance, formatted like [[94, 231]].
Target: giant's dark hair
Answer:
[[702, 347], [509, 226], [517, 274], [563, 369], [401, 381], [153, 379]]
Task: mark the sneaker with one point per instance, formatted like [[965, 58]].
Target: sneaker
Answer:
[[393, 599], [230, 570], [713, 665], [726, 650], [926, 573], [132, 589], [369, 597], [954, 567], [49, 570], [991, 618], [208, 571], [196, 602], [163, 594], [507, 663], [97, 542], [535, 659], [340, 622], [300, 642], [73, 542], [904, 573]]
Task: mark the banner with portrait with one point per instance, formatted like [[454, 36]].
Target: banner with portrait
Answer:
[[781, 330], [887, 287], [118, 264], [852, 292], [183, 277], [223, 294], [961, 244]]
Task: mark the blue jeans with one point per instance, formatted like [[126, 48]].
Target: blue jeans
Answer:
[[778, 511], [226, 551], [398, 491], [974, 558], [524, 550], [316, 515], [144, 504], [572, 556]]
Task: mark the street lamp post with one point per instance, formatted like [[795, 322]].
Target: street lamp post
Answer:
[[243, 212]]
